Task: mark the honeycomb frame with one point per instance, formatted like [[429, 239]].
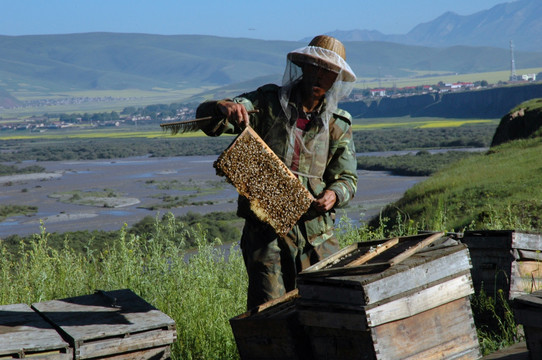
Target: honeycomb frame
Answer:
[[276, 195]]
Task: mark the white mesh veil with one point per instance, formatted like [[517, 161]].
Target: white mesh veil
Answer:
[[325, 58], [341, 88]]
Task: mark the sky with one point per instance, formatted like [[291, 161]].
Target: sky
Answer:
[[291, 20]]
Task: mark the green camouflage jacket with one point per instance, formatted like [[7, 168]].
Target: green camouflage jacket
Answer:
[[334, 169]]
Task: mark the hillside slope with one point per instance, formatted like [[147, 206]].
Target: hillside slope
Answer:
[[480, 104], [500, 189], [143, 61]]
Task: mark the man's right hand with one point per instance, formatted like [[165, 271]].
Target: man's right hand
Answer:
[[234, 112]]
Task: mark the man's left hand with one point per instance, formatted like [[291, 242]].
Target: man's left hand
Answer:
[[325, 201]]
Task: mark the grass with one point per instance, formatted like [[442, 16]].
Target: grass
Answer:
[[200, 290], [495, 190]]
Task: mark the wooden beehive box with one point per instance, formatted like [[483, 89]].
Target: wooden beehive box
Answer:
[[276, 196], [401, 298], [271, 331], [114, 325], [528, 312], [25, 334], [505, 259]]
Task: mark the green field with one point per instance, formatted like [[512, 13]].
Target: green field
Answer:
[[427, 78], [117, 100], [416, 123], [150, 132]]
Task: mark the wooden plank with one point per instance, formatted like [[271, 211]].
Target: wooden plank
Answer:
[[23, 331], [289, 296], [339, 344], [374, 252], [272, 336], [533, 336], [354, 270], [159, 353], [496, 239], [416, 272], [352, 252], [529, 316], [515, 352], [92, 317], [525, 255], [128, 343], [332, 316], [415, 248], [526, 277], [527, 241], [420, 300], [445, 332], [333, 292], [49, 355]]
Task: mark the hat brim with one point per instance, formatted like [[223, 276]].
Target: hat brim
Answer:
[[299, 59]]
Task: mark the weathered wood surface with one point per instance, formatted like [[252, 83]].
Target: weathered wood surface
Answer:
[[496, 239], [98, 325], [159, 353], [526, 278], [420, 300], [374, 252], [272, 334], [506, 260], [527, 241], [528, 312], [445, 332], [332, 316], [340, 344], [414, 272], [24, 332], [515, 352], [370, 252]]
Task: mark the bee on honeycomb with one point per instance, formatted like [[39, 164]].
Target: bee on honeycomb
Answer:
[[276, 196]]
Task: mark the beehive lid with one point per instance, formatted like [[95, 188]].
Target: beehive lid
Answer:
[[23, 331], [105, 315], [276, 196], [382, 278]]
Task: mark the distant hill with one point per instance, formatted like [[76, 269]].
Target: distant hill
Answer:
[[518, 21], [6, 100], [141, 61]]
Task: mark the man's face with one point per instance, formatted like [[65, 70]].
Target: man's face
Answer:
[[317, 80]]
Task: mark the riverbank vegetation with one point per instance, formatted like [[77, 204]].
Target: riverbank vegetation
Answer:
[[103, 145], [12, 210], [16, 170], [225, 226], [422, 163]]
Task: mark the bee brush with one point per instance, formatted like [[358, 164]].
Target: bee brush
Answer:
[[194, 124]]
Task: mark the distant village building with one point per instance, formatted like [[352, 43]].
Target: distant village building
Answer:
[[378, 92], [528, 77]]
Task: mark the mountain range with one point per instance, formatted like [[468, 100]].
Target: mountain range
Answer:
[[517, 21], [450, 44]]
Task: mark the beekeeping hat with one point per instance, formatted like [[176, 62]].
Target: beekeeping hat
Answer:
[[326, 52]]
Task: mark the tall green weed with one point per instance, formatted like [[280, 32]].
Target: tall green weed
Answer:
[[201, 290]]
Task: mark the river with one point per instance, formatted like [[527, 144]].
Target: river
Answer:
[[142, 182]]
